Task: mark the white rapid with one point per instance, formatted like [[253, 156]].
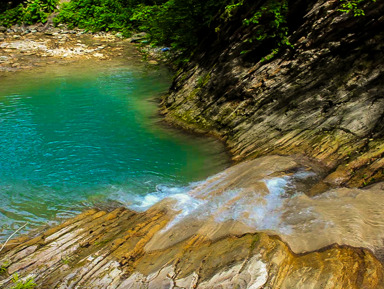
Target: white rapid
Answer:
[[268, 194]]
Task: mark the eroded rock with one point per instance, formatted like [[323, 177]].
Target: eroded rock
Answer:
[[107, 250], [221, 234], [322, 99]]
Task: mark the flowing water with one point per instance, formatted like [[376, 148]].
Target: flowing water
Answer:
[[269, 194], [79, 135], [74, 137]]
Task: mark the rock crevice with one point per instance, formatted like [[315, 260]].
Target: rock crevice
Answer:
[[322, 99]]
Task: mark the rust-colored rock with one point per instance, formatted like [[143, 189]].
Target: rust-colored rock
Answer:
[[107, 250], [223, 236]]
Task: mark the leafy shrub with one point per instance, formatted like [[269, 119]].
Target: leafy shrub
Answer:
[[11, 16], [29, 283], [177, 23], [3, 267], [354, 6], [30, 12], [267, 26], [270, 22], [94, 15]]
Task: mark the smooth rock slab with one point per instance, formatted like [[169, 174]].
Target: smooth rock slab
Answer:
[[99, 249]]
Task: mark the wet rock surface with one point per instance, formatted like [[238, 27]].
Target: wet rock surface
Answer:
[[217, 244], [323, 99], [100, 249]]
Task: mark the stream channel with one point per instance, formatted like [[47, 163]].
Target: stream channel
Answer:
[[80, 135], [88, 134]]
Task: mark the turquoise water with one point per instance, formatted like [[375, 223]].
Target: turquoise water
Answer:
[[80, 135]]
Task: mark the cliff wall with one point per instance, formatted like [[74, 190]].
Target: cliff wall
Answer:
[[323, 98]]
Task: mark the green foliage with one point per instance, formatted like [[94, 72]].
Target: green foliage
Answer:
[[177, 23], [203, 80], [267, 24], [4, 267], [95, 15], [11, 16], [354, 6], [229, 9], [270, 56], [30, 12], [65, 260], [270, 22], [174, 23], [29, 283]]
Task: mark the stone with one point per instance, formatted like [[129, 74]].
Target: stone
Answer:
[[138, 37], [3, 58], [120, 248], [107, 249], [322, 99]]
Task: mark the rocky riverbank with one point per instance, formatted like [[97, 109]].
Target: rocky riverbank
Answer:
[[322, 98], [35, 46], [269, 222], [208, 238]]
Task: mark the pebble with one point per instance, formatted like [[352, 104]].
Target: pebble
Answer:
[[52, 43], [3, 58]]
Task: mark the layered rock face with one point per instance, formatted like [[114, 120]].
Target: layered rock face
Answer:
[[257, 224], [211, 238], [323, 98], [101, 249]]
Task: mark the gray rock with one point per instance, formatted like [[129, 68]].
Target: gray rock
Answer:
[[321, 99], [138, 37], [4, 58]]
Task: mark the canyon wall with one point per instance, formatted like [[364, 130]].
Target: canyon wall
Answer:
[[323, 98]]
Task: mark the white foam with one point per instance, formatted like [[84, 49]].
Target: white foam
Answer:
[[345, 216], [264, 214], [186, 206]]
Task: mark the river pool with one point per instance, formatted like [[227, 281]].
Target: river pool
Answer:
[[80, 135]]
